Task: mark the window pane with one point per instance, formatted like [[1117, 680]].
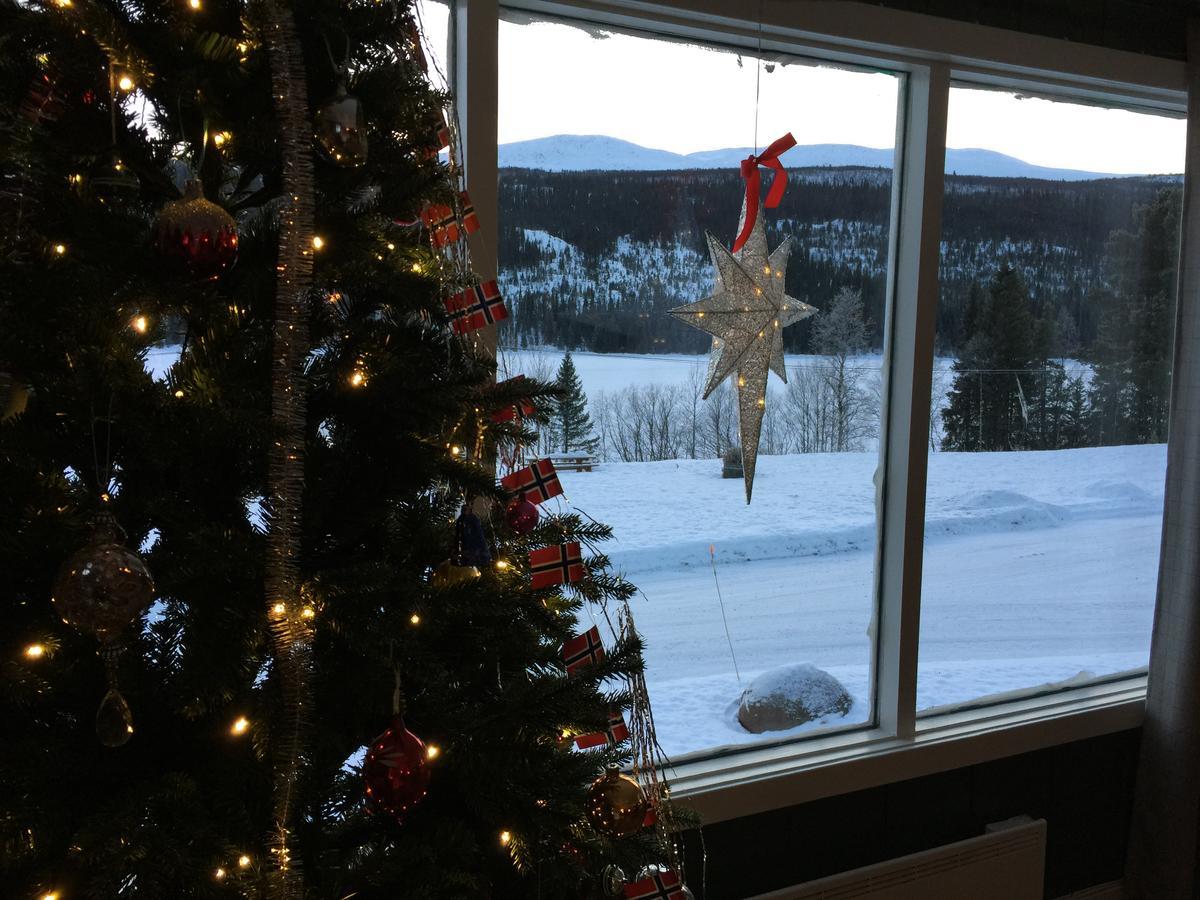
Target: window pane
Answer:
[[1048, 453], [617, 154]]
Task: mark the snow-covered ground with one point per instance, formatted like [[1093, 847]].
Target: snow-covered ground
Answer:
[[609, 372], [1039, 566]]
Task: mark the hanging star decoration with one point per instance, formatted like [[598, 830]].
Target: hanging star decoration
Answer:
[[746, 315]]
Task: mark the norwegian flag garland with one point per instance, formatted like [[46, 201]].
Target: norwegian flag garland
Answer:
[[470, 221], [522, 408], [560, 564], [476, 307], [659, 886], [536, 483], [614, 733], [441, 222], [438, 138], [583, 650]]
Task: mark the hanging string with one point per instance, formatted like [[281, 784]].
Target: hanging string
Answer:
[[758, 65], [712, 556]]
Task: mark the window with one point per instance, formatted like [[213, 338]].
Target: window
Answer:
[[611, 172], [608, 122], [1049, 422]]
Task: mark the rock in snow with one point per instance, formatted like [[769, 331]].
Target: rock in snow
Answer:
[[790, 696]]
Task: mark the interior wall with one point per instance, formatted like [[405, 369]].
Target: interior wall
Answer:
[[1156, 27], [1084, 791]]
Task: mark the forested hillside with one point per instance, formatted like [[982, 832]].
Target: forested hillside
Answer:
[[592, 260]]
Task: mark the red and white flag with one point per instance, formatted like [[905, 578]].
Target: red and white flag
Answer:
[[560, 564], [659, 886], [476, 307], [441, 222], [438, 136], [470, 221], [614, 733], [536, 483], [583, 650], [522, 408]]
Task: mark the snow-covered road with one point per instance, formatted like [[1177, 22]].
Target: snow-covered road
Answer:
[[1038, 566]]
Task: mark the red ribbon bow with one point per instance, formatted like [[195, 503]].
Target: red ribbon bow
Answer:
[[770, 159]]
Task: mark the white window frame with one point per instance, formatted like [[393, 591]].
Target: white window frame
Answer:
[[930, 53]]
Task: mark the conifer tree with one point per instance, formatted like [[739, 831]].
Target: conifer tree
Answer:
[[571, 423], [101, 104], [1131, 358], [988, 406]]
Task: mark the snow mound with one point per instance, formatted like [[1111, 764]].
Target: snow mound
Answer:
[[997, 511], [1117, 490], [786, 697]]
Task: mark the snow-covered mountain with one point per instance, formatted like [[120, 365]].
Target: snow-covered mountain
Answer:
[[581, 152]]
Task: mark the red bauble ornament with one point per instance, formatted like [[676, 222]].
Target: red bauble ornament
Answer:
[[197, 233], [521, 515], [396, 771]]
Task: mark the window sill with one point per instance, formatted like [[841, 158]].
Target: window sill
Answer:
[[758, 780]]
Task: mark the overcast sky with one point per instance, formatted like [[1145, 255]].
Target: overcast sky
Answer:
[[556, 79]]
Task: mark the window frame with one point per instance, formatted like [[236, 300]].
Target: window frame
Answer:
[[928, 54]]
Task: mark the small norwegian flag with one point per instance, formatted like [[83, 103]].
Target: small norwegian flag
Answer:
[[659, 886], [522, 408], [470, 221], [476, 307], [536, 483], [583, 650], [441, 222], [439, 135], [613, 734], [560, 564]]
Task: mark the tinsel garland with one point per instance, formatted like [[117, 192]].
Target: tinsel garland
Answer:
[[285, 474]]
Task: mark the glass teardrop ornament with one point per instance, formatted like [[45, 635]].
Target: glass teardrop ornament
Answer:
[[114, 720]]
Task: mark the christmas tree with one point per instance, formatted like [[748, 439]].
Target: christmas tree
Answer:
[[272, 627], [571, 423]]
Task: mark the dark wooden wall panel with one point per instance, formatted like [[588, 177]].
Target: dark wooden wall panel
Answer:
[[1084, 790]]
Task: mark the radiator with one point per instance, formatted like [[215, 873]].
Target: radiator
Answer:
[[1002, 865]]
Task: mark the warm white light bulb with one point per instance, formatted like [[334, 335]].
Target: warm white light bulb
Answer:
[[35, 651], [318, 242], [240, 725], [125, 83]]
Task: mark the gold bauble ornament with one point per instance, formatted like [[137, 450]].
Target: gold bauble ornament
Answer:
[[101, 589], [340, 130], [447, 574], [111, 182], [616, 804], [103, 586]]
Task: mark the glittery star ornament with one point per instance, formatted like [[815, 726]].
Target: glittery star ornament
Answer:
[[746, 314]]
